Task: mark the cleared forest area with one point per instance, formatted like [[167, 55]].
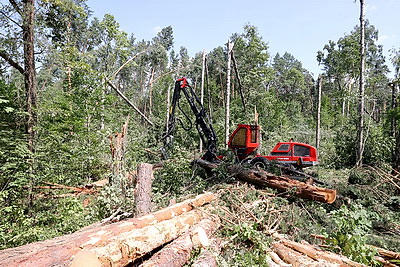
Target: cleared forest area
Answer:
[[116, 151]]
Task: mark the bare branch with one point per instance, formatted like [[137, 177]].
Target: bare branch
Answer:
[[16, 7], [11, 19], [126, 63], [10, 61], [128, 101]]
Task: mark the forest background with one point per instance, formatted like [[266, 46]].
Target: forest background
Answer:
[[58, 110]]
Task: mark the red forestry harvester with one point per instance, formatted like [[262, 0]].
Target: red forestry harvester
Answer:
[[244, 141]]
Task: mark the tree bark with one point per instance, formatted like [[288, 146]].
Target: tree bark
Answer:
[[298, 188], [360, 132], [142, 193], [62, 250], [177, 253], [207, 256]]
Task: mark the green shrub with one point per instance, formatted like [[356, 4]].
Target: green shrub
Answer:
[[348, 235]]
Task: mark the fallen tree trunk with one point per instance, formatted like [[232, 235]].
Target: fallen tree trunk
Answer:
[[177, 253], [60, 251], [319, 254], [282, 183]]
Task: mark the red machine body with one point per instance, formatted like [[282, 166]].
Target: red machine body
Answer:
[[245, 140]]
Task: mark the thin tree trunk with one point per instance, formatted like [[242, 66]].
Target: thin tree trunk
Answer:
[[168, 107], [318, 130], [151, 91], [396, 154], [30, 72], [128, 101], [360, 132], [228, 94], [30, 86], [202, 90]]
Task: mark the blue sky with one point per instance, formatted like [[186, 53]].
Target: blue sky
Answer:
[[300, 27]]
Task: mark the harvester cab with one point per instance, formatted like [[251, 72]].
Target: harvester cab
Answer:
[[245, 141]]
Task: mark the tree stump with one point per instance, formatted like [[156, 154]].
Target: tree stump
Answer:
[[142, 194]]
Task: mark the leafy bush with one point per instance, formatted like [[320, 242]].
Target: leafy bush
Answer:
[[348, 235]]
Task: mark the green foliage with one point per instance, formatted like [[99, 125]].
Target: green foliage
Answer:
[[51, 218], [350, 225], [112, 197], [248, 246], [175, 178]]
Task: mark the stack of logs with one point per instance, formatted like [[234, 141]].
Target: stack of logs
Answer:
[[285, 252], [163, 238], [182, 226]]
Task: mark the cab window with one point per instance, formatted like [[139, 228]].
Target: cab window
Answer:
[[240, 138], [301, 151], [282, 150]]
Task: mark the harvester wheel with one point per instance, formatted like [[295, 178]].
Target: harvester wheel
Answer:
[[260, 163]]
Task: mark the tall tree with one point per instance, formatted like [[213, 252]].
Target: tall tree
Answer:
[[360, 132], [22, 15], [319, 98], [228, 93], [395, 84]]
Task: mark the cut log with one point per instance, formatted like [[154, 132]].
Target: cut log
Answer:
[[129, 246], [178, 251], [61, 250], [315, 252], [385, 262], [142, 193], [276, 259], [319, 254], [387, 254], [293, 257], [282, 183]]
